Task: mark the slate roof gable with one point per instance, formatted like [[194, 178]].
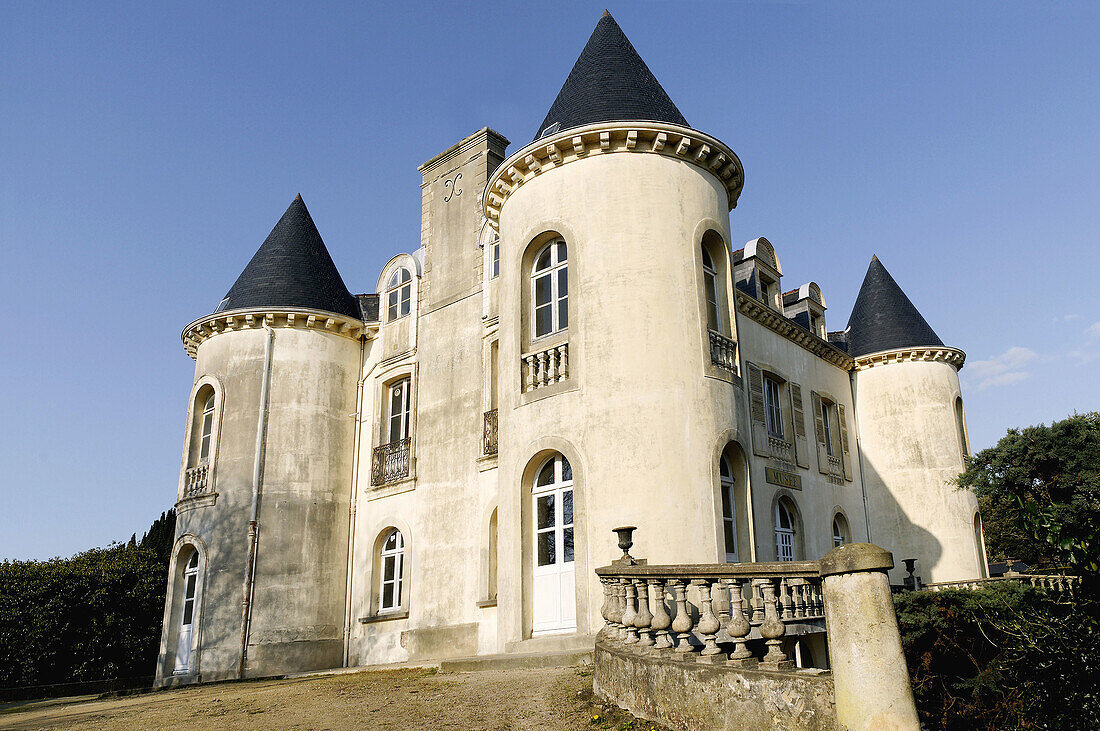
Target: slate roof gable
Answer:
[[292, 269], [883, 318], [610, 83]]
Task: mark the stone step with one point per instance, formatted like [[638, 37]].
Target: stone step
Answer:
[[517, 661]]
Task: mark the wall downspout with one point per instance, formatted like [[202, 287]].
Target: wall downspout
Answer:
[[253, 525], [862, 466], [358, 415]]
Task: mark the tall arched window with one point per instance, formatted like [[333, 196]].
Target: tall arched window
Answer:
[[550, 290], [784, 531], [207, 426], [979, 547], [393, 568], [710, 287], [960, 424], [492, 578], [187, 614], [399, 295], [841, 535], [554, 597], [729, 511]]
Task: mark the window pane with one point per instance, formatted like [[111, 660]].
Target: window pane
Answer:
[[391, 542], [189, 591], [542, 320], [542, 290], [567, 507], [561, 251], [566, 470], [567, 545], [563, 282], [547, 553], [388, 568], [543, 262], [188, 611], [724, 467], [397, 591], [391, 311], [731, 539], [387, 596], [391, 300], [546, 475], [209, 406], [563, 313], [405, 276], [193, 562], [395, 279], [727, 511], [496, 260], [204, 446], [545, 507]]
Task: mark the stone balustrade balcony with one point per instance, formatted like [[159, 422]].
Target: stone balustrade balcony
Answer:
[[390, 462], [723, 352], [545, 367], [1058, 584], [781, 449], [489, 433], [196, 480]]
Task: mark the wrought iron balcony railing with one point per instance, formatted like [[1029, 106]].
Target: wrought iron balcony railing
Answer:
[[489, 434], [390, 462]]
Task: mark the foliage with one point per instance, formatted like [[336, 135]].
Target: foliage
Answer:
[[94, 616], [1039, 494], [1004, 657]]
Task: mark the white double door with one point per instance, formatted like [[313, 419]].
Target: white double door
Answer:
[[554, 602], [187, 616]]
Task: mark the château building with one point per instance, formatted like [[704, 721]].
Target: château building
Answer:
[[433, 468]]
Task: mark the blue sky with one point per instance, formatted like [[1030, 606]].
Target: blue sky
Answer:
[[147, 150]]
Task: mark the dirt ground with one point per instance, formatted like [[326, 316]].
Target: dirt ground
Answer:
[[551, 698]]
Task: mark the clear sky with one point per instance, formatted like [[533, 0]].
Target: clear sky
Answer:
[[147, 150]]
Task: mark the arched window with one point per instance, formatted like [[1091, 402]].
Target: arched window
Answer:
[[550, 290], [784, 531], [494, 258], [729, 511], [710, 287], [207, 426], [979, 547], [492, 578], [399, 295], [392, 564], [187, 614], [553, 596], [960, 424], [841, 535]]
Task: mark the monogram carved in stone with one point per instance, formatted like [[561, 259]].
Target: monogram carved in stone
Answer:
[[452, 183]]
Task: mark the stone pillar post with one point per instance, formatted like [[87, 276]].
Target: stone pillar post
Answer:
[[869, 675]]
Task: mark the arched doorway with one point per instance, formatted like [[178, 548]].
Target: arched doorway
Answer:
[[185, 639], [553, 598]]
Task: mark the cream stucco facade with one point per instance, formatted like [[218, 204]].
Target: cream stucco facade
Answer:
[[434, 469]]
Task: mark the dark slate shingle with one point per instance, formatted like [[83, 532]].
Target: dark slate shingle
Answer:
[[883, 318], [610, 83], [293, 269]]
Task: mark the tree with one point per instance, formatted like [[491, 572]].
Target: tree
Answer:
[[1039, 493]]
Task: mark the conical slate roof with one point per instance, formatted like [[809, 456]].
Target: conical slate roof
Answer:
[[883, 318], [610, 83], [292, 269]]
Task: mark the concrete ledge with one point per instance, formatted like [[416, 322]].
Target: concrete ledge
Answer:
[[529, 661], [689, 695]]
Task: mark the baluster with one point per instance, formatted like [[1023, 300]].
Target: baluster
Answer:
[[738, 629], [799, 604], [819, 599], [642, 621], [529, 373], [772, 630], [661, 620], [785, 600], [605, 610], [683, 623], [552, 365], [563, 362], [630, 614], [540, 377], [708, 623], [757, 601], [620, 609], [720, 598]]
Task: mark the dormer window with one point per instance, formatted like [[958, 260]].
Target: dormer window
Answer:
[[765, 291], [399, 295]]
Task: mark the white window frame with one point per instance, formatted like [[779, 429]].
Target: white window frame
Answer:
[[558, 486], [399, 295], [765, 289], [188, 612], [710, 290], [206, 426], [729, 518], [558, 302], [394, 557], [784, 537], [398, 417], [828, 411], [494, 258], [773, 407]]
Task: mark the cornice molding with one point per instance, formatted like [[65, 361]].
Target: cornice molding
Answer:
[[782, 325], [941, 354], [253, 318], [670, 140]]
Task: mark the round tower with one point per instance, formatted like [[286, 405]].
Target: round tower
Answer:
[[618, 364], [912, 435], [257, 579]]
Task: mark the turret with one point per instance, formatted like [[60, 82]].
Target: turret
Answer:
[[912, 434], [257, 578], [617, 346]]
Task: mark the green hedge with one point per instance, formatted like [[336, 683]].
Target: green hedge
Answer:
[[1004, 657]]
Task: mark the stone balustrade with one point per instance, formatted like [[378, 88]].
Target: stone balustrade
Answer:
[[390, 462], [196, 480], [710, 612], [489, 433], [1055, 583], [781, 449], [723, 352], [545, 367]]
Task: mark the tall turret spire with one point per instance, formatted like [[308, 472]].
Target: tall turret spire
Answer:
[[883, 318], [609, 83], [292, 269]]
